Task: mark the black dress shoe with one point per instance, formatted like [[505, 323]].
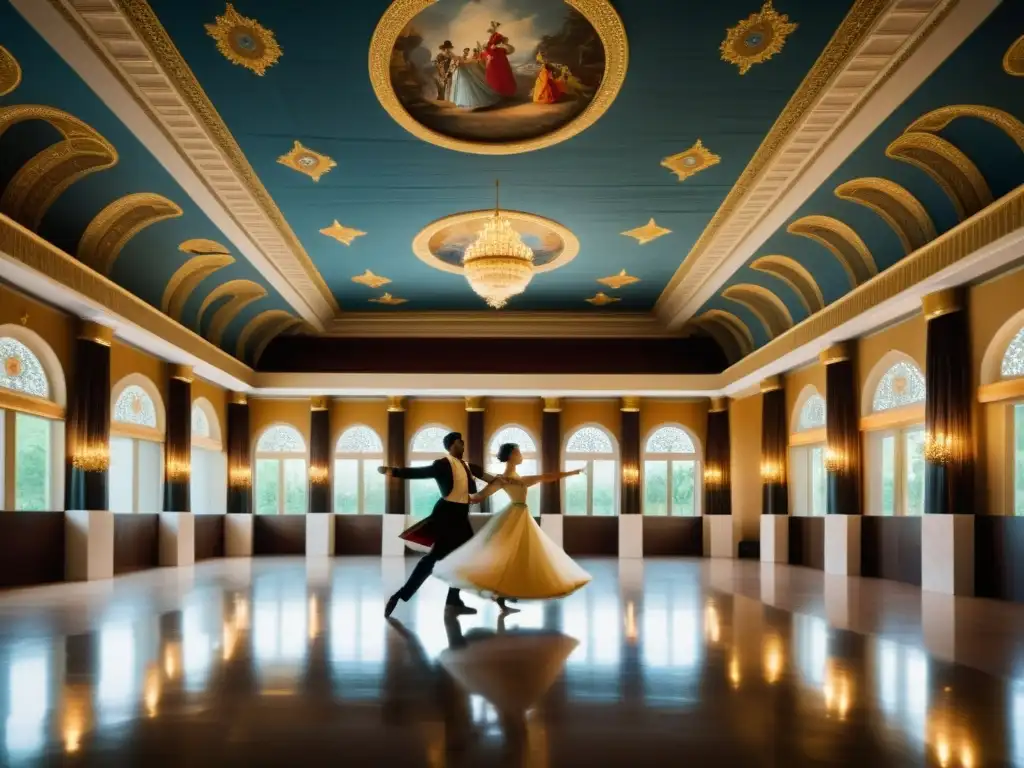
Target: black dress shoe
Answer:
[[459, 609], [390, 606]]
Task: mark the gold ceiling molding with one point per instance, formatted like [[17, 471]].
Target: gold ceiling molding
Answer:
[[244, 41], [895, 205], [731, 333], [647, 233], [242, 293], [831, 94], [111, 229], [997, 221], [947, 166], [308, 161], [765, 306], [517, 325], [691, 162], [24, 247], [601, 15], [10, 72], [796, 276], [40, 181], [1013, 61], [757, 38], [937, 119], [200, 246], [841, 241], [264, 327], [128, 36], [188, 277]]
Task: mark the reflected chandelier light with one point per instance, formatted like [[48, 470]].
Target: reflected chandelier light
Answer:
[[498, 265]]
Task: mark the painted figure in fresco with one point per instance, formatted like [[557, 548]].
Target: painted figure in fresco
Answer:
[[470, 89], [547, 89], [444, 65], [495, 55]]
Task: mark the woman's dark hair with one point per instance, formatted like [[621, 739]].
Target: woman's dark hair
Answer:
[[505, 452]]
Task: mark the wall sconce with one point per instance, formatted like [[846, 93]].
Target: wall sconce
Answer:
[[771, 471], [318, 475], [93, 457], [630, 474], [713, 476], [178, 470], [240, 477], [938, 447], [835, 460]]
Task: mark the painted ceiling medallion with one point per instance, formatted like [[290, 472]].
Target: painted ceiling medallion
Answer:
[[388, 299], [615, 282], [12, 367], [244, 41], [1013, 61], [600, 299], [370, 280], [757, 39], [10, 72], [647, 233], [307, 161], [691, 162], [538, 75], [344, 235]]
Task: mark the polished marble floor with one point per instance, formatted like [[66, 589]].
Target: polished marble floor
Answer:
[[280, 662]]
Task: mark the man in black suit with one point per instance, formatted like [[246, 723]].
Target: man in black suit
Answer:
[[448, 523]]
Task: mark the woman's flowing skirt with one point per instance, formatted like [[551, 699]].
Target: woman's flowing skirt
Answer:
[[470, 89], [512, 557]]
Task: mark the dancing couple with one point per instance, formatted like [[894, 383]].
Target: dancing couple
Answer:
[[511, 558]]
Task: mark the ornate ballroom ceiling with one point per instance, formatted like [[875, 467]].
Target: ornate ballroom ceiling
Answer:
[[263, 167]]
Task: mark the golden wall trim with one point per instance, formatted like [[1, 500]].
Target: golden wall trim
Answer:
[[182, 372], [95, 332], [837, 353], [630, 404], [113, 227], [953, 171], [1010, 389], [771, 384], [437, 325], [35, 406], [238, 398], [319, 403], [807, 437], [552, 405], [768, 308], [396, 404], [895, 205], [897, 417], [719, 404], [136, 431], [942, 303], [30, 250], [796, 276], [474, 405], [840, 239]]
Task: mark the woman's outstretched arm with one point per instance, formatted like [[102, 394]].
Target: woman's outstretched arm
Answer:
[[552, 477], [492, 488]]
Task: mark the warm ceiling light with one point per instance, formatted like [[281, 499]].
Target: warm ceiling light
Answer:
[[498, 265]]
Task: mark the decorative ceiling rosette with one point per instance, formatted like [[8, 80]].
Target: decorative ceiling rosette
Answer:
[[757, 39], [244, 41]]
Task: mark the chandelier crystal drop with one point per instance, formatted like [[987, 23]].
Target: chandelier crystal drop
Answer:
[[498, 265]]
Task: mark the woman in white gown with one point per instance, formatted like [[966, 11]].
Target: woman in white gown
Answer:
[[511, 557], [470, 89]]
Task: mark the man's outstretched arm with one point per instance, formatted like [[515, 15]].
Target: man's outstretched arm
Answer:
[[410, 473]]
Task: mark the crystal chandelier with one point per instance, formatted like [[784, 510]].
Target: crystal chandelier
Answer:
[[498, 265]]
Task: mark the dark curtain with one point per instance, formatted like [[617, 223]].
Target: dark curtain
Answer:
[[774, 444], [239, 460], [395, 501], [717, 488], [178, 446], [320, 460], [949, 456], [88, 427], [630, 445], [842, 439], [476, 446], [550, 454]]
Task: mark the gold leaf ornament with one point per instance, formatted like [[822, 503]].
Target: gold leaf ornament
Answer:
[[600, 299], [757, 39], [344, 235], [621, 280], [691, 162], [647, 233], [308, 161], [1013, 60], [389, 300], [371, 280], [244, 41]]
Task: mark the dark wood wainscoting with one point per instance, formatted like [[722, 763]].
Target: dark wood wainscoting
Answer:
[[136, 542], [358, 534], [31, 548], [807, 542], [673, 536], [209, 537], [999, 557], [590, 536], [279, 535], [890, 548]]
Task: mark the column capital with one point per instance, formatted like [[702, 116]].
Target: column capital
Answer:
[[318, 403], [552, 405], [238, 398], [941, 303], [181, 372], [719, 404], [630, 404], [837, 353], [771, 384], [96, 333], [475, 404], [396, 404]]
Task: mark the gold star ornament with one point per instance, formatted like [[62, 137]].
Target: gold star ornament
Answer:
[[648, 232], [344, 235], [307, 161], [387, 298], [619, 281], [691, 162], [244, 41], [600, 299], [370, 280], [757, 39]]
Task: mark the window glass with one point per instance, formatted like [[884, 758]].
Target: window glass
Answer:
[[295, 486], [901, 385], [268, 486], [346, 486], [422, 494], [683, 487], [1018, 459], [122, 474], [819, 481], [888, 474], [135, 406], [151, 476], [575, 490], [373, 489], [31, 462], [604, 488], [656, 488], [913, 457], [22, 371]]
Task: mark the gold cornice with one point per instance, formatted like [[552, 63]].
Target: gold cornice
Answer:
[[941, 303], [182, 373], [950, 168], [630, 404], [719, 404], [96, 333], [238, 398], [895, 205], [30, 250], [771, 384], [842, 241], [552, 405], [837, 353], [165, 54], [796, 276], [510, 324], [474, 405], [396, 404]]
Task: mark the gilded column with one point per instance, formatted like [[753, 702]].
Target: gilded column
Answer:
[[629, 410], [88, 420], [842, 433], [395, 499], [319, 456], [717, 487], [774, 445], [550, 455], [178, 443], [239, 456]]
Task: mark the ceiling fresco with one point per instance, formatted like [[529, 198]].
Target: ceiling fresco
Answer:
[[372, 134]]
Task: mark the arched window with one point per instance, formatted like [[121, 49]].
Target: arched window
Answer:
[[807, 476], [513, 433], [358, 487], [136, 446], [896, 438], [281, 482], [426, 446], [209, 461], [1013, 359], [671, 468], [31, 413], [596, 491], [1012, 367]]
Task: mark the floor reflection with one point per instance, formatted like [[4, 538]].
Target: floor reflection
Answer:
[[278, 662]]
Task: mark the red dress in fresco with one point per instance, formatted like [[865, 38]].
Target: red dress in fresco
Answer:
[[499, 71]]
